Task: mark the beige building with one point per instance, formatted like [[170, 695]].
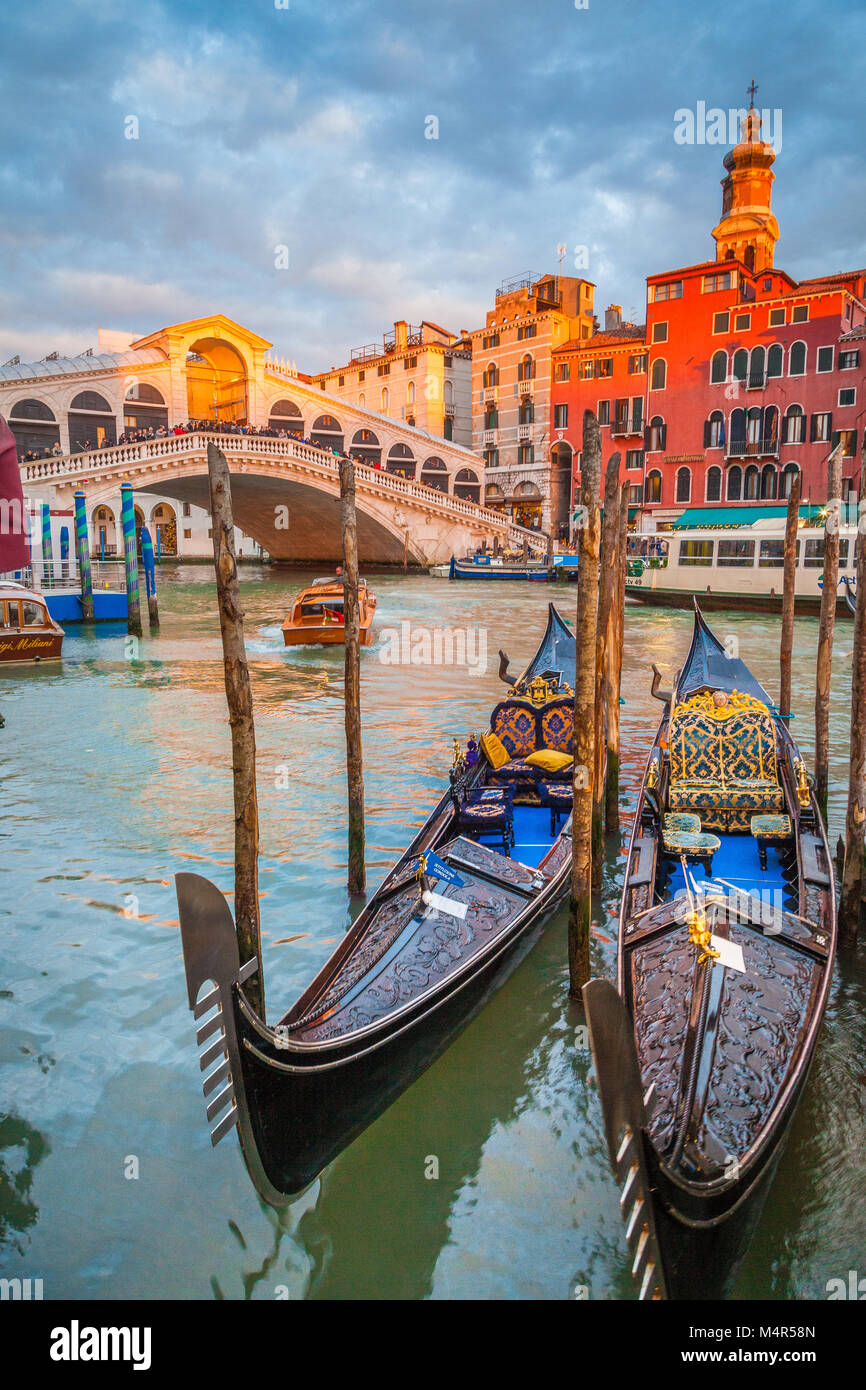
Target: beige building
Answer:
[[511, 380], [420, 375]]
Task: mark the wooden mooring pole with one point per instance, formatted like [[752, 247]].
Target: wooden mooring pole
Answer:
[[357, 877], [855, 820], [240, 702], [586, 629], [613, 682], [788, 594], [605, 638], [826, 628]]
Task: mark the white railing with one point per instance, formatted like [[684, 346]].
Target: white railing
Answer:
[[121, 458], [524, 431], [488, 437], [524, 388]]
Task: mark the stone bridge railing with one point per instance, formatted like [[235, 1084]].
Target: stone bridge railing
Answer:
[[101, 463]]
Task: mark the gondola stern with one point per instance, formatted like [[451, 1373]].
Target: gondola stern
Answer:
[[624, 1111]]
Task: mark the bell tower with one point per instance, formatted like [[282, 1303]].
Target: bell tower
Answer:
[[748, 231]]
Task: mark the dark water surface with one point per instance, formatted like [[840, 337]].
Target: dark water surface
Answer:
[[117, 774]]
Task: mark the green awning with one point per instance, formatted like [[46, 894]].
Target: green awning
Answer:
[[719, 518]]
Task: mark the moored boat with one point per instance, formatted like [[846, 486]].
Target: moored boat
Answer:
[[451, 920], [726, 945], [316, 616], [28, 633]]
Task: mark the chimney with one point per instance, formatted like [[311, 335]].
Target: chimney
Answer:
[[400, 334], [612, 317]]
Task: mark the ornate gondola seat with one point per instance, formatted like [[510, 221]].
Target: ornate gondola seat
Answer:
[[723, 764], [524, 726]]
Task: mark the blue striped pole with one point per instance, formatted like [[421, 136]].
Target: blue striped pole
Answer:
[[47, 552], [82, 548], [149, 575], [127, 516]]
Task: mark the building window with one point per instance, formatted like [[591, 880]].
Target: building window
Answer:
[[526, 369], [797, 359], [635, 495], [717, 282], [491, 375], [603, 412], [790, 470], [794, 425], [741, 365], [490, 340], [491, 418], [847, 360], [721, 322], [409, 363], [585, 371], [775, 360], [742, 322], [637, 364], [825, 359], [847, 395], [719, 367], [735, 483], [491, 458], [672, 289], [341, 381], [752, 483], [187, 535], [187, 511], [526, 413], [410, 393], [821, 427], [659, 375], [684, 485], [757, 367], [800, 314], [562, 371], [634, 458], [777, 318], [848, 440], [385, 398], [654, 486], [714, 431], [526, 330], [525, 455], [362, 376], [660, 332], [604, 366], [383, 369], [560, 417], [654, 434], [714, 484]]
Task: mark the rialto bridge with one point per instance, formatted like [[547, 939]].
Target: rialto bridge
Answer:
[[286, 495]]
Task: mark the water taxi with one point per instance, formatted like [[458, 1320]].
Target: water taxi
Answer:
[[28, 633], [317, 616], [736, 566]]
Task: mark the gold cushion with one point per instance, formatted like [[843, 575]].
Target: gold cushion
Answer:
[[494, 750], [549, 760]]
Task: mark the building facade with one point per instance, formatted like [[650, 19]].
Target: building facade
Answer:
[[749, 376], [528, 474], [421, 375]]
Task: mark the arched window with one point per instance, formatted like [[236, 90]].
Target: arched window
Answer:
[[714, 430], [659, 374], [655, 434], [91, 400], [750, 491], [34, 427], [757, 365], [449, 392], [654, 486], [385, 400], [91, 422], [365, 447], [754, 417], [684, 485], [788, 475], [775, 360], [327, 432], [401, 461], [737, 443], [719, 367], [735, 483], [741, 365], [526, 369], [467, 486], [410, 396], [526, 413], [143, 391], [770, 430], [31, 410], [434, 472], [285, 415], [794, 425], [362, 400], [491, 375], [714, 484], [768, 482], [797, 359]]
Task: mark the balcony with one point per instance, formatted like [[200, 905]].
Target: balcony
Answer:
[[625, 427], [524, 388], [751, 448], [450, 409], [488, 395], [756, 381], [524, 431], [489, 436]]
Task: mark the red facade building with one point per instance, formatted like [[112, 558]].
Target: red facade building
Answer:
[[748, 374]]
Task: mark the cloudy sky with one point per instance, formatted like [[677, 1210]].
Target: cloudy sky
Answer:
[[305, 127]]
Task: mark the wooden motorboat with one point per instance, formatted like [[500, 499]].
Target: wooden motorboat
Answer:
[[317, 614], [28, 633], [450, 921], [726, 944]]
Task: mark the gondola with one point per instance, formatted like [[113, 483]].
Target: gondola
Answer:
[[727, 935], [850, 594], [450, 921]]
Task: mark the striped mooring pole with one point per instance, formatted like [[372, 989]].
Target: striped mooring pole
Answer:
[[82, 550], [47, 552], [127, 516], [147, 564]]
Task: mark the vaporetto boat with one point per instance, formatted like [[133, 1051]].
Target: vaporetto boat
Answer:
[[737, 566]]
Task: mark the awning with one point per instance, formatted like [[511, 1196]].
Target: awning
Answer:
[[721, 518]]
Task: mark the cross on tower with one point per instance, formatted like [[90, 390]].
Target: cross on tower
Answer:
[[750, 93]]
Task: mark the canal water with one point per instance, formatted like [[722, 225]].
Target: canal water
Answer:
[[116, 774]]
